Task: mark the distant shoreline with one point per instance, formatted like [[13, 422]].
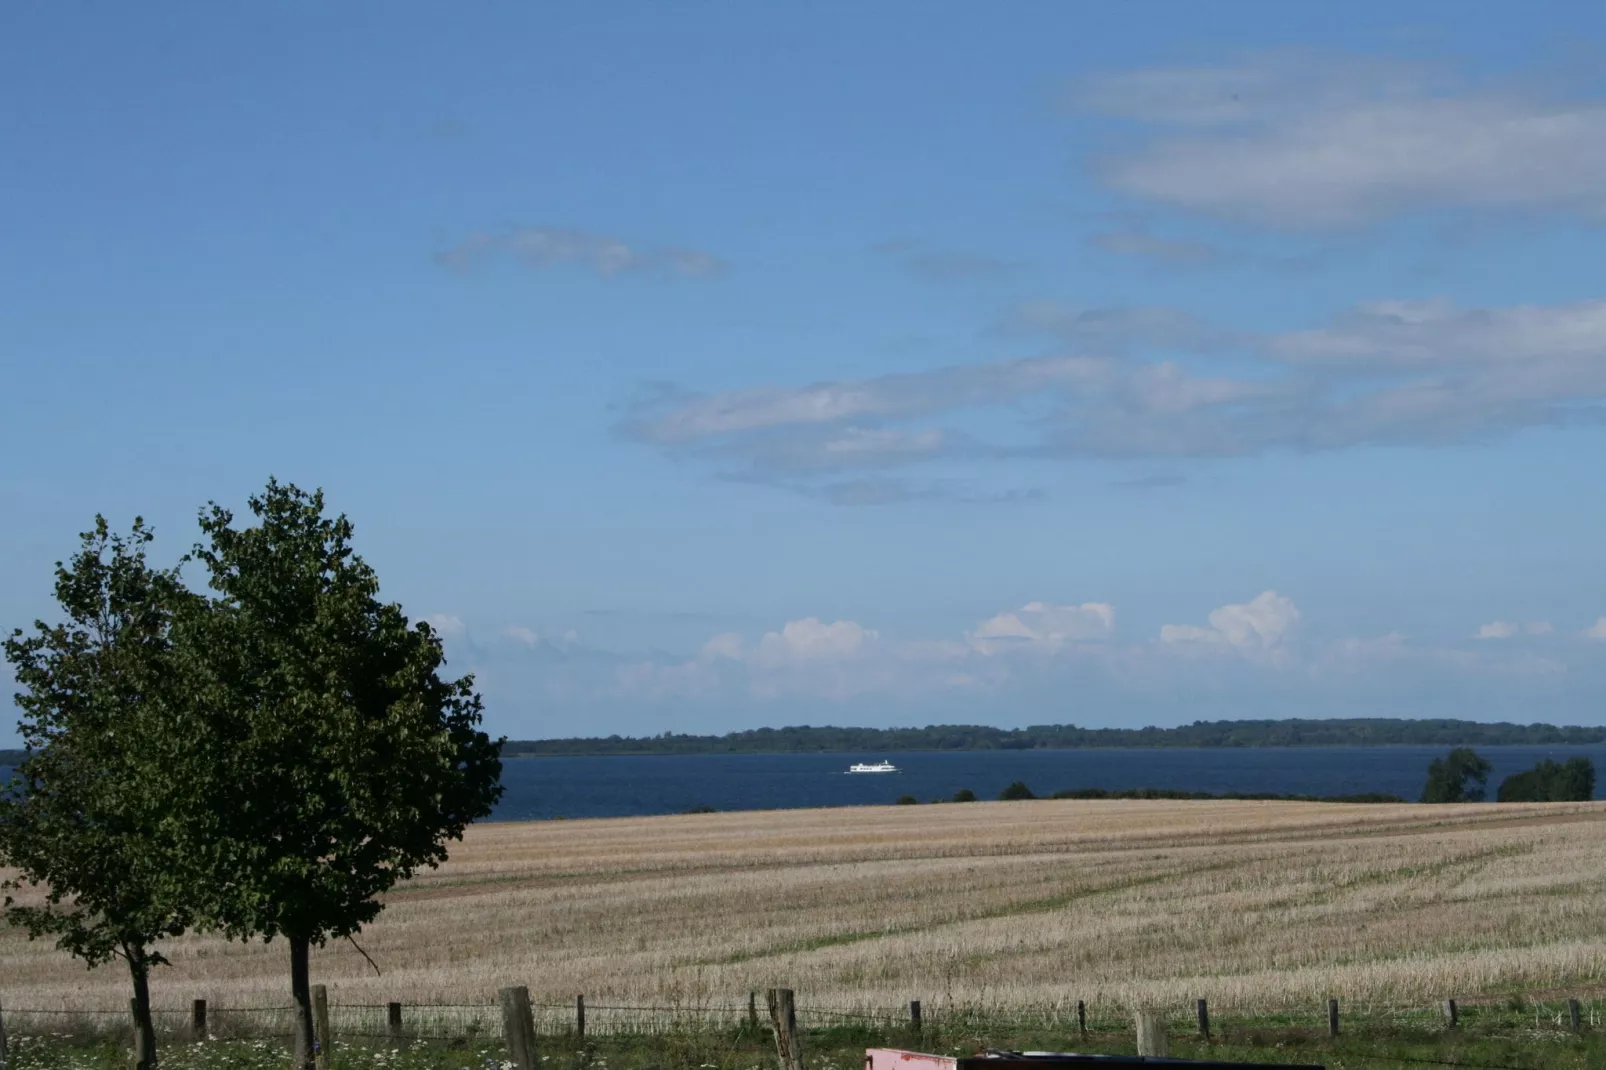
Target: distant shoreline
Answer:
[[1283, 734]]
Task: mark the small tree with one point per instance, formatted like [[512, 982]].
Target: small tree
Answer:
[[1550, 781], [1458, 777], [1016, 790], [964, 795], [83, 819], [332, 760]]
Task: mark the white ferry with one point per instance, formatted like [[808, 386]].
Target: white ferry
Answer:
[[877, 767]]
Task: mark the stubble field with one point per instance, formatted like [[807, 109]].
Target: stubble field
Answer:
[[1026, 905]]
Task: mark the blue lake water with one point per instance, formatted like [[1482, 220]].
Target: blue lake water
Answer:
[[539, 788]]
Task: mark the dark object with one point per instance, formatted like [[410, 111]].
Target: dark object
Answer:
[[1458, 777], [1202, 1010], [914, 1015], [1017, 790], [1081, 1017], [1575, 1015], [964, 795], [1332, 1017], [393, 1022], [580, 1017], [1549, 781], [1451, 1017], [198, 1019], [908, 800], [323, 1041], [783, 1016], [518, 1028], [752, 1010]]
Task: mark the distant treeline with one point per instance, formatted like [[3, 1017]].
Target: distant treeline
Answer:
[[804, 739]]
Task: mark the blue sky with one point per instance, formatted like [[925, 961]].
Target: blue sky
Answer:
[[704, 366]]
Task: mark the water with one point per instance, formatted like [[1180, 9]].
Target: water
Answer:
[[543, 788]]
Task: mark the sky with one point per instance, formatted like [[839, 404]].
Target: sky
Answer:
[[695, 367]]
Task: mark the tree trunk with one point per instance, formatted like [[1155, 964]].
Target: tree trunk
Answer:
[[139, 969], [301, 1012]]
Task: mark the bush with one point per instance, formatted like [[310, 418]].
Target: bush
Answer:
[[1017, 790], [1569, 781], [964, 795], [1457, 777], [908, 800]]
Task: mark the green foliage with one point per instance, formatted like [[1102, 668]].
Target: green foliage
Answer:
[[1291, 732], [1257, 796], [964, 795], [332, 759], [908, 800], [1016, 790], [86, 816], [1550, 781], [1457, 777]]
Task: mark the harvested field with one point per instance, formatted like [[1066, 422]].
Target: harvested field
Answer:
[[1256, 905]]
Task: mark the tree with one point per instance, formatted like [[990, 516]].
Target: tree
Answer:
[[1550, 781], [332, 760], [1016, 790], [84, 816], [964, 795], [1459, 776]]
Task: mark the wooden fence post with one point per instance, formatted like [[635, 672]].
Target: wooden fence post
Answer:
[[518, 1028], [783, 1015], [1575, 1015], [1081, 1017], [1201, 1011], [197, 1019], [1151, 1034], [393, 1022], [5, 1049], [914, 1015], [752, 1011], [1452, 1017], [580, 1017], [1332, 1017], [322, 1042]]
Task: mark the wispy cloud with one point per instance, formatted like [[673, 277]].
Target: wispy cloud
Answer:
[[943, 265], [1305, 142], [1141, 245], [545, 247], [1383, 373]]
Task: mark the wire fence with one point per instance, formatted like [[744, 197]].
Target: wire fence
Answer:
[[953, 1026]]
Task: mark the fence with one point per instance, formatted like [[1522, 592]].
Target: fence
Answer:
[[521, 1023]]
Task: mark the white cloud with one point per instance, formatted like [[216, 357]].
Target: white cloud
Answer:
[[527, 636], [542, 247], [1259, 624], [1505, 629], [1596, 630], [447, 625], [726, 645], [1041, 626], [812, 640], [1302, 143]]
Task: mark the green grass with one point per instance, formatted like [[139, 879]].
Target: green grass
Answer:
[[1504, 1043]]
